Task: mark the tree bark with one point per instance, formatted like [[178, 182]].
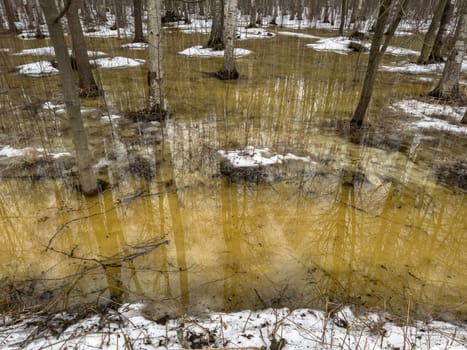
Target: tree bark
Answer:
[[464, 118], [229, 71], [448, 85], [438, 52], [138, 16], [430, 36], [155, 71], [83, 156], [343, 17], [11, 17], [377, 50], [216, 38], [87, 84]]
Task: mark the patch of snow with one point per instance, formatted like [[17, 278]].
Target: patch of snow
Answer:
[[300, 35], [11, 152], [200, 51], [37, 69], [255, 157], [196, 26], [5, 49], [105, 32], [50, 51], [117, 62], [427, 112], [110, 117], [298, 329], [253, 33], [135, 46], [338, 44], [399, 51], [413, 68]]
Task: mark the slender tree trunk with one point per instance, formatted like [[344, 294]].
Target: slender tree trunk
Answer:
[[464, 118], [253, 14], [448, 85], [430, 36], [10, 16], [83, 156], [87, 84], [438, 52], [377, 50], [343, 17], [216, 38], [138, 15], [229, 71], [155, 71]]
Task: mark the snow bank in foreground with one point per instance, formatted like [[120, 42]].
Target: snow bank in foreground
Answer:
[[37, 69], [117, 62], [200, 51], [427, 113], [255, 157], [10, 152], [298, 329]]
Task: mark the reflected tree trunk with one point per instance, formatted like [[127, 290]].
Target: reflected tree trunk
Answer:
[[87, 84], [379, 45], [430, 36], [229, 71], [216, 38], [156, 103], [73, 107], [448, 85]]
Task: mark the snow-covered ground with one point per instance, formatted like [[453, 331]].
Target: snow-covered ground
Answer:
[[37, 69], [50, 51], [200, 51], [127, 328], [256, 157], [427, 115], [117, 62], [12, 152]]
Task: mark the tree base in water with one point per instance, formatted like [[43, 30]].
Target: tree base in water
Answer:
[[224, 74], [148, 115]]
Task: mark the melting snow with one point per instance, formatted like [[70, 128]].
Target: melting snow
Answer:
[[135, 46], [427, 112], [255, 157], [200, 51], [104, 32], [50, 51], [37, 69], [10, 152], [298, 329], [117, 62], [300, 35]]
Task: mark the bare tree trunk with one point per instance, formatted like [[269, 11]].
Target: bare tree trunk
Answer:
[[343, 17], [216, 38], [87, 84], [229, 72], [10, 16], [378, 48], [430, 35], [253, 14], [448, 85], [155, 72], [464, 118], [438, 52], [138, 15], [80, 141]]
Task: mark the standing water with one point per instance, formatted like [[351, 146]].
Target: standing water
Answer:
[[372, 218]]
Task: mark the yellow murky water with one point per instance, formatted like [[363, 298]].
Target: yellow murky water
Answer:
[[365, 223]]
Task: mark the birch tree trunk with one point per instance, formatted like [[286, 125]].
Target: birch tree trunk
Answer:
[[80, 141], [377, 50], [155, 71], [343, 17], [430, 36], [448, 85], [229, 71], [216, 38], [87, 84]]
